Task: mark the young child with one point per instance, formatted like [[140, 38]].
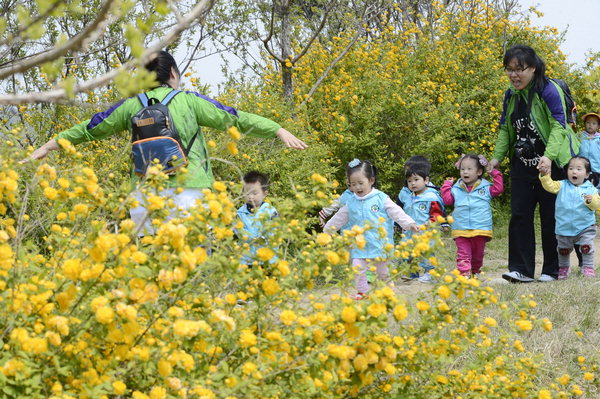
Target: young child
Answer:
[[590, 145], [471, 196], [576, 201], [423, 205], [254, 213], [369, 207], [415, 160]]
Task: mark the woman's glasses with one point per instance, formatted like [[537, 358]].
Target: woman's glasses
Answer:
[[517, 71]]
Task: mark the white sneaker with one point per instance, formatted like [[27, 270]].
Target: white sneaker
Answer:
[[425, 278], [516, 277], [545, 278]]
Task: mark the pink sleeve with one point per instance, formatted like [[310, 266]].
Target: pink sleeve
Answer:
[[497, 186], [447, 193], [397, 214], [337, 221]]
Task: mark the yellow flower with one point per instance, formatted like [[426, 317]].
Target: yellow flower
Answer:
[[490, 321], [564, 379], [50, 193], [232, 148], [265, 254], [524, 325], [444, 292], [518, 345], [360, 363], [547, 324], [164, 368], [247, 338], [323, 239], [219, 186], [72, 268], [589, 376], [422, 306], [234, 133], [158, 393], [349, 314], [283, 267], [105, 315], [270, 286], [332, 257], [248, 368], [400, 312], [376, 309], [288, 317], [119, 387], [317, 178]]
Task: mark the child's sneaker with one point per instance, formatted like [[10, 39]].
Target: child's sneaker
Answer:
[[360, 296], [588, 272], [426, 278], [370, 276], [563, 273], [411, 276]]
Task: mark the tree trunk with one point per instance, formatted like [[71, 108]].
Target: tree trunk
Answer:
[[286, 50]]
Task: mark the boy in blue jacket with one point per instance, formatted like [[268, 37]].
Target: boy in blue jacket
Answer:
[[254, 213]]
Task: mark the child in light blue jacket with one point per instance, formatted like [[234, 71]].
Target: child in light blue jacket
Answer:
[[590, 145], [374, 211], [254, 213], [576, 201]]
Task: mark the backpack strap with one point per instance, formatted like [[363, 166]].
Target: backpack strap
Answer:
[[170, 96], [189, 147], [143, 99]]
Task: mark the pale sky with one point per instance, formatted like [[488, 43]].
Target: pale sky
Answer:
[[580, 19]]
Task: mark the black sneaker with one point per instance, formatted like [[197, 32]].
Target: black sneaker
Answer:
[[516, 277]]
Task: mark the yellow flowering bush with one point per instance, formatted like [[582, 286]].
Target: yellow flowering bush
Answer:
[[88, 308]]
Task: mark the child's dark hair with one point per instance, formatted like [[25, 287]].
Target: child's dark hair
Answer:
[[255, 176], [356, 165], [418, 169], [418, 160], [586, 163], [161, 64], [476, 158]]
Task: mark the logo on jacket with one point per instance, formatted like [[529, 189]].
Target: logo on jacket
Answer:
[[375, 208], [481, 191], [422, 207]]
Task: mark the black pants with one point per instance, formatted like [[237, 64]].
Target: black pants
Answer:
[[525, 195]]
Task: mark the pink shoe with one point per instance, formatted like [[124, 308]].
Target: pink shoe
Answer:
[[588, 272], [360, 296], [563, 273]]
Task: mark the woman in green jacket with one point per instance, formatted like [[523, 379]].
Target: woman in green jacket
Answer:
[[190, 111], [534, 135]]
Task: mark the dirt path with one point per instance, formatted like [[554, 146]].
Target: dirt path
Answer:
[[495, 263]]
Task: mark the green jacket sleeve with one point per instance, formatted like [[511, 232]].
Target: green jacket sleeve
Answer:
[[211, 113], [103, 124], [502, 143]]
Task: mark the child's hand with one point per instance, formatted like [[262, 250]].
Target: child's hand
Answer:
[[451, 179], [588, 198], [413, 227]]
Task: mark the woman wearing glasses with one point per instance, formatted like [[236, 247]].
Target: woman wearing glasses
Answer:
[[532, 132]]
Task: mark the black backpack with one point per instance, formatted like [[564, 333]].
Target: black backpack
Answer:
[[154, 136], [570, 105]]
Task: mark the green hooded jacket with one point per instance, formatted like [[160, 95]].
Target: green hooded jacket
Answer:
[[549, 116], [190, 111]]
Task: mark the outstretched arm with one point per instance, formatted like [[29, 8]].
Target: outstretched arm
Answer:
[[42, 152], [497, 187], [290, 140], [337, 221], [399, 216]]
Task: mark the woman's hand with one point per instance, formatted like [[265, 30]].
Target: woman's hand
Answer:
[[290, 140], [493, 164], [545, 165], [42, 152]]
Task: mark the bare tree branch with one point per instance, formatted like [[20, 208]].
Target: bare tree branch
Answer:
[[315, 34], [78, 41], [337, 59], [56, 95], [10, 39], [270, 35]]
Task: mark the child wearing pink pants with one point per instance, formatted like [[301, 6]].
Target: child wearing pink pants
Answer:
[[472, 225]]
